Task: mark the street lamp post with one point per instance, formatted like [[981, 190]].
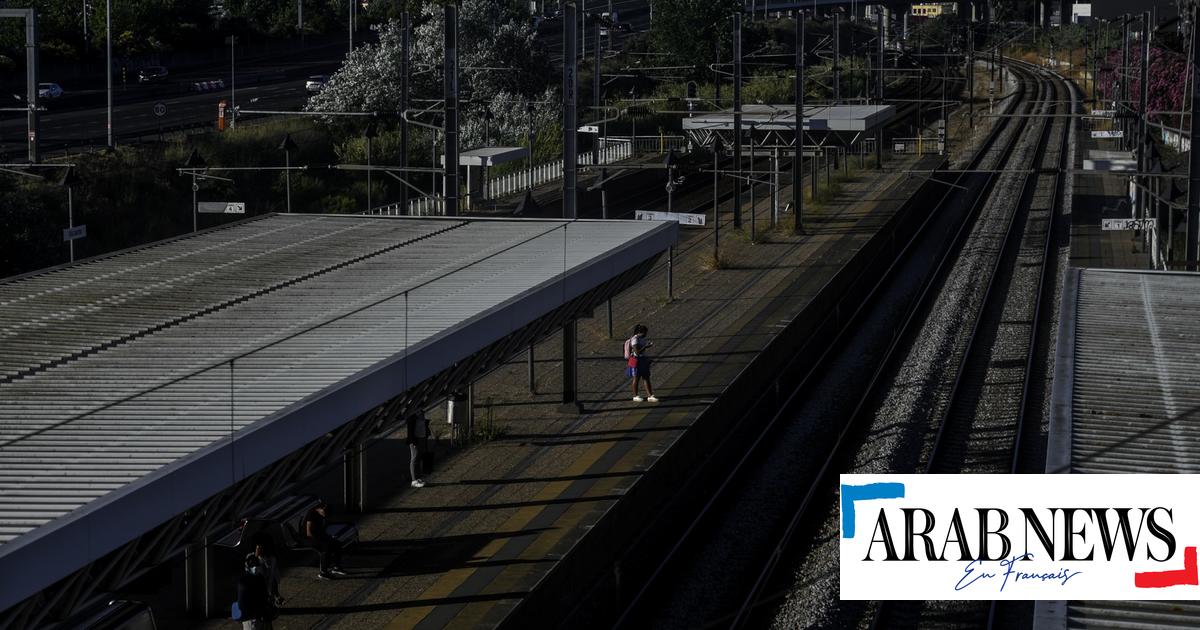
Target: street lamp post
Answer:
[[287, 146]]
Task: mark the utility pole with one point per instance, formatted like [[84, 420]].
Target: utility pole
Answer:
[[882, 39], [1192, 244], [351, 25], [450, 84], [837, 51], [596, 110], [1123, 78], [798, 140], [300, 18], [1143, 161], [233, 81], [737, 120], [570, 116], [405, 34], [108, 64], [971, 74]]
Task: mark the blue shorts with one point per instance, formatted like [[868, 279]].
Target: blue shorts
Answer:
[[642, 370]]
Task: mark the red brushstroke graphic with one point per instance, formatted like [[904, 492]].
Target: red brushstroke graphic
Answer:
[[1162, 579]]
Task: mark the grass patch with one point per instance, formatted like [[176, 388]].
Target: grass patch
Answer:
[[713, 262]]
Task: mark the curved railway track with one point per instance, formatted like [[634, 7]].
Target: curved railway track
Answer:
[[1028, 238]]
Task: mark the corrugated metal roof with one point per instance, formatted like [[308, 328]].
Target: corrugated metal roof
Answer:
[[118, 367], [1127, 387], [1136, 373]]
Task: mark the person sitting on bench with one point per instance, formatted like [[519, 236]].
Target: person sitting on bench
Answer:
[[329, 548]]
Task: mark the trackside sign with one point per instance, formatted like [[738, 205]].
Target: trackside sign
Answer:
[[1039, 537]]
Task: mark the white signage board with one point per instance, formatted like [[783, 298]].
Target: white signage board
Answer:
[[222, 207], [1107, 113], [1111, 225], [77, 232], [1108, 134], [684, 218], [589, 129]]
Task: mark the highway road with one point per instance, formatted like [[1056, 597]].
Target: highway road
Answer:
[[274, 83]]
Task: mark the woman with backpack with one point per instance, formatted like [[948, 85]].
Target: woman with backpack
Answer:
[[637, 363]]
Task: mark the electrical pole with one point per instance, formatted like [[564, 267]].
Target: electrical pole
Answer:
[[798, 140], [837, 70], [737, 120], [233, 81], [1143, 140], [596, 110], [1123, 77], [405, 34], [882, 40], [570, 116], [108, 63], [1192, 244], [450, 66], [971, 75]]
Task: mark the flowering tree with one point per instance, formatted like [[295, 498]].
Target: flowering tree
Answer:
[[503, 69], [1167, 72]]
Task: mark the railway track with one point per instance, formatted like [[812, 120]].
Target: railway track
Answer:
[[808, 416]]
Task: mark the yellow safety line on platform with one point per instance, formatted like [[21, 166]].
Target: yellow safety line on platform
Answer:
[[510, 580], [451, 580]]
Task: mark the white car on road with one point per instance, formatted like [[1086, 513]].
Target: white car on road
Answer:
[[316, 83]]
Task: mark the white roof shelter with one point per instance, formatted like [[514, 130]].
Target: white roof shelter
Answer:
[[838, 118], [134, 386], [489, 156]]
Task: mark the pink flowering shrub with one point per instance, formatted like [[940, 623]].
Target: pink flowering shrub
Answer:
[[1168, 72]]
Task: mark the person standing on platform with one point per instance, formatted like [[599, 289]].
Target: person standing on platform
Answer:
[[254, 607], [264, 549], [418, 432], [637, 362], [330, 550]]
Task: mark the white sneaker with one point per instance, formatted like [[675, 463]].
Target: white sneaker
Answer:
[[324, 576], [418, 483], [653, 399], [339, 571], [637, 399]]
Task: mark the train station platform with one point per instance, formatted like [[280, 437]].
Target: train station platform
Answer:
[[1097, 196], [546, 496], [1125, 399], [151, 397]]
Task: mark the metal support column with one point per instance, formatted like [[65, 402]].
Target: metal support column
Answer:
[[570, 364], [450, 183], [971, 75], [532, 372], [570, 116], [405, 53], [1192, 244], [837, 71], [798, 141], [353, 478], [197, 584], [1123, 82], [31, 77], [881, 37], [737, 120], [1143, 100]]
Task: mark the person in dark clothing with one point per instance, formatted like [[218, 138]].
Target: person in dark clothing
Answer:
[[417, 434], [318, 537], [253, 601]]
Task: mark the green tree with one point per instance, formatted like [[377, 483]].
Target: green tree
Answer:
[[689, 31]]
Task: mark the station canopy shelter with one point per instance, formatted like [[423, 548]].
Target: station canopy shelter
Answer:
[[151, 397], [774, 126], [1124, 400], [478, 161]]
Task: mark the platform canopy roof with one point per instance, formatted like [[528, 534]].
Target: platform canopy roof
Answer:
[[489, 156], [136, 385], [838, 118]]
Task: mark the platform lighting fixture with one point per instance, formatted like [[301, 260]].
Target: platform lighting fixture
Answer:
[[287, 146]]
